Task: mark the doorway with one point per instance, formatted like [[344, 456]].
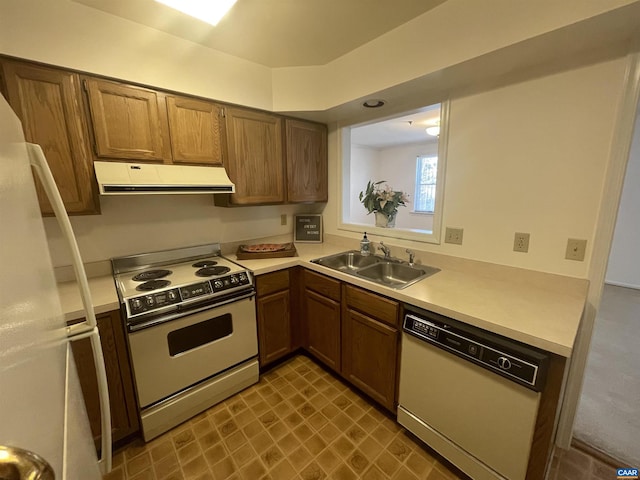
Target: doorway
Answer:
[[608, 415]]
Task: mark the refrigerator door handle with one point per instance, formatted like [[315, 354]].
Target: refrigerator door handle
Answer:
[[88, 328]]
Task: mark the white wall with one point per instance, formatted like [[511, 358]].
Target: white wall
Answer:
[[624, 260], [68, 34], [137, 224], [527, 157]]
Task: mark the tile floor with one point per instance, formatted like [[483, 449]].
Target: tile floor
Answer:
[[300, 422]]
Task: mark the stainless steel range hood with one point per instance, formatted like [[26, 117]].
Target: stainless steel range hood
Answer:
[[116, 178]]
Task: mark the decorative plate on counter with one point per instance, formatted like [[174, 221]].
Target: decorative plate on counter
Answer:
[[266, 250]]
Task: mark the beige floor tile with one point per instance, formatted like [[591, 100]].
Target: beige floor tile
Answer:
[[328, 460], [299, 458], [195, 467], [166, 466], [283, 471], [312, 472], [138, 464]]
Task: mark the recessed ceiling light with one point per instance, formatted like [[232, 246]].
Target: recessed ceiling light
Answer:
[[207, 11], [373, 103]]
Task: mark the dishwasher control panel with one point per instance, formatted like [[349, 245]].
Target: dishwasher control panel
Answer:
[[509, 359]]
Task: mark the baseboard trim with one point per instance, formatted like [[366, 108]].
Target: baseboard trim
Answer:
[[622, 284], [597, 454]]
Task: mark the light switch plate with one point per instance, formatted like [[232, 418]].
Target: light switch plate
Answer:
[[283, 219], [576, 249], [453, 235]]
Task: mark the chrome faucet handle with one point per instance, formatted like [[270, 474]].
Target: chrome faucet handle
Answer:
[[412, 256], [386, 250]]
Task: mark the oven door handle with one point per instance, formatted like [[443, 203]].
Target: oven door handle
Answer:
[[156, 321]]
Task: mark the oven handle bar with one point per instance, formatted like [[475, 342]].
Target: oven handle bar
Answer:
[[156, 321]]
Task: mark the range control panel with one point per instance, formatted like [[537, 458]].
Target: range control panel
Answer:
[[174, 296], [517, 366]]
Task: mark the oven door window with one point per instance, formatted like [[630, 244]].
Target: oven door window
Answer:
[[194, 336]]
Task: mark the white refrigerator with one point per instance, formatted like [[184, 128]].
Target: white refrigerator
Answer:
[[41, 405]]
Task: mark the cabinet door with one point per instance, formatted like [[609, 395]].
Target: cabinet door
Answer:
[[306, 152], [370, 350], [126, 121], [124, 416], [255, 161], [274, 326], [194, 128], [322, 328], [49, 104]]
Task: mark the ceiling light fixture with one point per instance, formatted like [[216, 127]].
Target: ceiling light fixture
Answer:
[[373, 103], [433, 131], [210, 12]]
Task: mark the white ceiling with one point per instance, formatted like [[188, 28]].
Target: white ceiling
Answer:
[[398, 131], [278, 33]]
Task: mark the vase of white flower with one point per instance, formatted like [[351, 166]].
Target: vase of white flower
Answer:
[[384, 201], [384, 220]]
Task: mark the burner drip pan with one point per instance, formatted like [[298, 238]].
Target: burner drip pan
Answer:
[[152, 285], [204, 264], [151, 275], [212, 271]]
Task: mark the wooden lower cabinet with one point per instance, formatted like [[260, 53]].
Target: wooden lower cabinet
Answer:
[[322, 328], [321, 314], [354, 332], [273, 306], [369, 356], [124, 416], [274, 325]]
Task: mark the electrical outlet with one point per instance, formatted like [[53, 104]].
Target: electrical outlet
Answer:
[[283, 219], [453, 235], [521, 242], [576, 249]]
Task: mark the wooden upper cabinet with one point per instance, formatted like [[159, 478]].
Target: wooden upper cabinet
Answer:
[[49, 104], [126, 121], [194, 128], [255, 159], [306, 152]]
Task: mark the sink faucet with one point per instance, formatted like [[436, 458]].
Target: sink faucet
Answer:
[[386, 250], [412, 256]]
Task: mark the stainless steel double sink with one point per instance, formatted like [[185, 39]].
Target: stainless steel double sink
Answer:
[[390, 272]]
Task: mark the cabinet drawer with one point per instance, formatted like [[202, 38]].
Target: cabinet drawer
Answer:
[[272, 282], [323, 285], [377, 307]]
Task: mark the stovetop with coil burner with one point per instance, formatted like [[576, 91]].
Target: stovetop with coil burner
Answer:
[[160, 283]]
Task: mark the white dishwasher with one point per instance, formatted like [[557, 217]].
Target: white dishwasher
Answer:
[[470, 395]]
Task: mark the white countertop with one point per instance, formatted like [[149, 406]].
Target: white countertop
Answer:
[[539, 309], [103, 296]]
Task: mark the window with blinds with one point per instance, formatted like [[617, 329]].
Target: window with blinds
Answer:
[[426, 174]]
